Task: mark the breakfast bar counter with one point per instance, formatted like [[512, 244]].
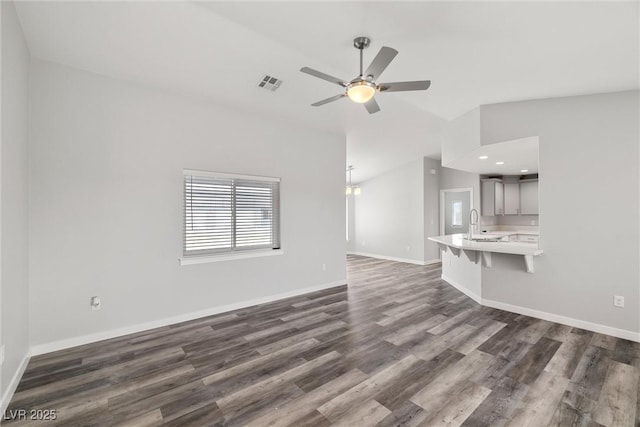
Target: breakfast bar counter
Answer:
[[482, 246]]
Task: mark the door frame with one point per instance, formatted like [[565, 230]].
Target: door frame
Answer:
[[452, 190]]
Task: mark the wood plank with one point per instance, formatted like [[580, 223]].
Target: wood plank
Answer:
[[407, 333], [566, 359], [407, 415], [589, 375], [367, 414], [604, 341], [456, 410], [540, 403], [284, 353], [528, 368], [618, 397], [259, 389], [340, 405], [436, 393], [498, 407], [574, 410], [486, 332], [295, 410]]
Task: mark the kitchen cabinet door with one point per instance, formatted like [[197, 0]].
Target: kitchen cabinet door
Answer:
[[511, 198], [499, 201], [492, 198], [529, 198]]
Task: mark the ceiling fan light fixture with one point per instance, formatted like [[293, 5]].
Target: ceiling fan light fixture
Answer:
[[361, 91]]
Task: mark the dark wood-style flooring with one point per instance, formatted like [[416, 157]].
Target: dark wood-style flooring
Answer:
[[398, 347]]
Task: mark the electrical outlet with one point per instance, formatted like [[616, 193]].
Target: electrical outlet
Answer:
[[2, 355], [408, 248], [364, 243], [324, 267], [618, 301], [96, 303]]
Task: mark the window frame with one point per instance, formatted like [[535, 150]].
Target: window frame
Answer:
[[234, 250]]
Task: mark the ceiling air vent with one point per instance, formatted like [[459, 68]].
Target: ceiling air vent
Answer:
[[270, 83]]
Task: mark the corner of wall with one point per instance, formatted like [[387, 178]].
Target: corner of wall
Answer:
[[15, 202]]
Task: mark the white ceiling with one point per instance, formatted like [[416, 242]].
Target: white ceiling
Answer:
[[473, 52], [515, 155]]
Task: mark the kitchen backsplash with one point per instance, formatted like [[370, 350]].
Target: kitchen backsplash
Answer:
[[510, 220]]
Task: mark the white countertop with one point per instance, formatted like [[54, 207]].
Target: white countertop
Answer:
[[517, 248]]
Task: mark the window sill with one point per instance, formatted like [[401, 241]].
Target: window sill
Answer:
[[228, 257]]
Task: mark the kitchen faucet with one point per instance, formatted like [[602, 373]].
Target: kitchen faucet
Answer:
[[472, 222]]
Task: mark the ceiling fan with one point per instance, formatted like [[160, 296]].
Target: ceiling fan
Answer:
[[362, 88]]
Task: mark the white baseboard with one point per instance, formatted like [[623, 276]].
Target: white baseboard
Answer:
[[390, 258], [569, 321], [13, 384], [99, 336], [462, 289]]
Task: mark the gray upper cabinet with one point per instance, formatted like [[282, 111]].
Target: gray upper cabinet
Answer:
[[529, 197], [511, 198], [492, 197]]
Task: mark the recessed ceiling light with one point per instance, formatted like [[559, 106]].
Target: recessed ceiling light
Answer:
[[483, 157], [524, 170], [499, 163]]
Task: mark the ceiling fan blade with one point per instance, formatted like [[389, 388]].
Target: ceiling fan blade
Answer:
[[328, 100], [323, 76], [372, 106], [404, 86], [380, 62]]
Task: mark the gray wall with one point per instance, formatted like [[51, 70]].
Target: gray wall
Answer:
[[389, 214], [397, 211], [458, 270], [453, 178], [461, 136], [589, 207], [14, 181], [107, 160]]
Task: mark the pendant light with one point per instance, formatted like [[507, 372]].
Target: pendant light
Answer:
[[351, 189]]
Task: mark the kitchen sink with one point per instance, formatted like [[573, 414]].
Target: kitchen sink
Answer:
[[488, 239]]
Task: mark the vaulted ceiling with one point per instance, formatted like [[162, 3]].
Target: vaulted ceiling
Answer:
[[473, 52]]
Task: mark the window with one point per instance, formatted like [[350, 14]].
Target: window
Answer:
[[456, 214], [226, 213]]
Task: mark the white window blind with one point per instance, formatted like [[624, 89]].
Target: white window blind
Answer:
[[226, 213]]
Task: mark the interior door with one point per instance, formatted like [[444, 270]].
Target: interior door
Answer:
[[456, 211]]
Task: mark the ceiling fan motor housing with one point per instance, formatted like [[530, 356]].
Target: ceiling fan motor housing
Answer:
[[361, 42]]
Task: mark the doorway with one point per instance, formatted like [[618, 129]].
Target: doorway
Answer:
[[455, 205]]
